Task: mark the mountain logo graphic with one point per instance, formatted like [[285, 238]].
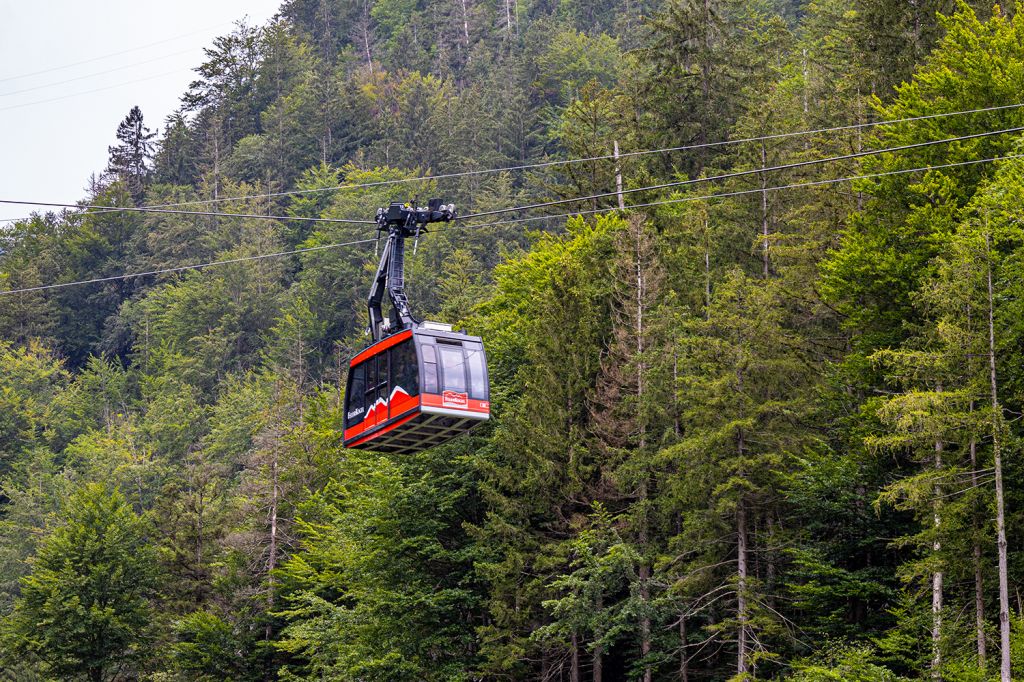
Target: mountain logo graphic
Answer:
[[379, 410], [454, 399]]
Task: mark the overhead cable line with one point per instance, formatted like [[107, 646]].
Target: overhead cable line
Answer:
[[197, 266], [112, 54], [96, 73], [726, 195], [89, 92], [563, 162], [545, 204], [520, 220], [557, 202], [738, 174], [143, 209]]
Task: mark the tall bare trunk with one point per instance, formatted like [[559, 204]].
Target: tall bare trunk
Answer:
[[764, 213], [272, 559], [860, 146], [574, 669], [597, 662], [707, 269], [645, 620], [200, 508], [508, 17], [364, 30], [742, 615], [465, 24], [742, 612], [618, 177], [936, 671], [807, 82], [645, 569], [684, 658], [979, 592], [216, 158], [1004, 587]]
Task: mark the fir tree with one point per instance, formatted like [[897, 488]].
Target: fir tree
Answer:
[[130, 160]]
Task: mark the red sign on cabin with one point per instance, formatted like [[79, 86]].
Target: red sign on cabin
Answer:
[[453, 399]]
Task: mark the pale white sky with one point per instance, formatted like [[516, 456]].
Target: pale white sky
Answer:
[[63, 90]]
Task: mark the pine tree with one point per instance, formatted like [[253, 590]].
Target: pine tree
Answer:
[[130, 160], [631, 407]]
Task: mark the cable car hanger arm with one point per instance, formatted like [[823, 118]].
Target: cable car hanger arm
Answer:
[[400, 221]]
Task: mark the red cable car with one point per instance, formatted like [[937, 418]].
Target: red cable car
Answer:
[[419, 384]]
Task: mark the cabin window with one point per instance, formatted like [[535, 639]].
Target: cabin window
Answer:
[[429, 369], [371, 381], [477, 373], [454, 367], [382, 377], [404, 367], [355, 390]]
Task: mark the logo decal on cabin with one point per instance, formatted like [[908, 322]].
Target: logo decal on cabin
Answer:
[[453, 399]]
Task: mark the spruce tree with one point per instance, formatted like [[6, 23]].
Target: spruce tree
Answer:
[[130, 160]]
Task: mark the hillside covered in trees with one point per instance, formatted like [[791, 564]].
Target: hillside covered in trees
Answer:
[[762, 423]]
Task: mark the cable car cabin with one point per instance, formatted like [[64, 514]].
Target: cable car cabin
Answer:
[[416, 389]]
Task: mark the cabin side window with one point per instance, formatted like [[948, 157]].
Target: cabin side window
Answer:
[[453, 365], [404, 368], [477, 371], [354, 393], [430, 383], [382, 377]]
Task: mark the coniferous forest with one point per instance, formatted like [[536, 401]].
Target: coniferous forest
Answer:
[[759, 416]]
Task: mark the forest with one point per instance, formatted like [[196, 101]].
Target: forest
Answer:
[[750, 278]]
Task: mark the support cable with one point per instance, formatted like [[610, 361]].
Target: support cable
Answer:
[[545, 204], [726, 195], [182, 268], [114, 54], [95, 74], [146, 209], [547, 164], [517, 221], [89, 92], [754, 171]]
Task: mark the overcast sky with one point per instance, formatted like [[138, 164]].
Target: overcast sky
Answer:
[[71, 69]]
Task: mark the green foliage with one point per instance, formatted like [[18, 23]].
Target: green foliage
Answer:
[[30, 378], [380, 589], [208, 648], [712, 452], [849, 664], [86, 607]]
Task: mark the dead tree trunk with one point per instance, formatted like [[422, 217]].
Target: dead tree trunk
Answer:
[[1004, 587], [684, 659], [574, 669], [936, 671], [764, 214], [979, 592], [742, 615]]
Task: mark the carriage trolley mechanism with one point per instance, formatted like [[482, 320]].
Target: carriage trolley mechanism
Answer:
[[419, 383]]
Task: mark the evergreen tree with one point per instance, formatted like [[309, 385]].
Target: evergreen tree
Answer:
[[130, 160], [86, 608], [740, 383]]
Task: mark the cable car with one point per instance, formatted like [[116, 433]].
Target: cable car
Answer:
[[419, 384]]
